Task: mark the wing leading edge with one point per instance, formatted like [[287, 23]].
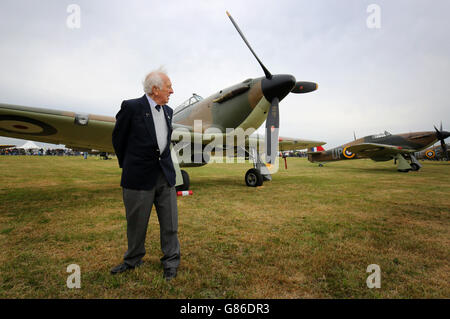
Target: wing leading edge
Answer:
[[375, 150], [93, 132], [75, 130]]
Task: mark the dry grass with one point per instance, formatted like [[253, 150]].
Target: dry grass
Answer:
[[310, 233]]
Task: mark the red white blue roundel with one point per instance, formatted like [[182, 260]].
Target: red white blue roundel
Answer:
[[348, 154], [430, 154]]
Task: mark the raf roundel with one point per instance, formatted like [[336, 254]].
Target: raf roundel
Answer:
[[430, 154], [25, 125], [348, 154]]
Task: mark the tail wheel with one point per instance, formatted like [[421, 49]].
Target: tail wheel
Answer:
[[253, 178], [186, 182]]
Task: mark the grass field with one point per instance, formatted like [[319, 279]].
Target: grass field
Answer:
[[310, 233]]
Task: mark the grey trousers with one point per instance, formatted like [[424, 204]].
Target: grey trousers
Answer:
[[138, 206]]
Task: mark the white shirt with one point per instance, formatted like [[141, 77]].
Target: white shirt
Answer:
[[159, 119]]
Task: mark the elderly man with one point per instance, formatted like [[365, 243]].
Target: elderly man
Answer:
[[141, 140]]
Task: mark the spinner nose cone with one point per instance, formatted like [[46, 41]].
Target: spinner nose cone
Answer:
[[278, 86], [445, 134]]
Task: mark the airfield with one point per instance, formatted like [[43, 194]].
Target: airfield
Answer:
[[310, 233]]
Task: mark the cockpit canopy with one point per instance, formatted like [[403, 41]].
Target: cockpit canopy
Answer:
[[189, 102], [381, 135]]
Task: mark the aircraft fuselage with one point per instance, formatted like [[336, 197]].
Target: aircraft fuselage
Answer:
[[415, 141]]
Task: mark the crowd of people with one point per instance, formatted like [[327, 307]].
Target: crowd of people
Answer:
[[293, 154], [40, 152]]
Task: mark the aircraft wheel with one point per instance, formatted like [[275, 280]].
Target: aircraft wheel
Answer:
[[403, 170], [320, 165], [415, 167], [253, 178], [186, 182]]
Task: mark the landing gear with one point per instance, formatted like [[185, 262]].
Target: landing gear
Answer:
[[186, 182], [320, 165], [403, 165], [253, 178], [259, 173]]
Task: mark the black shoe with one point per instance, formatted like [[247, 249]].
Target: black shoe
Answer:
[[124, 267], [170, 273]]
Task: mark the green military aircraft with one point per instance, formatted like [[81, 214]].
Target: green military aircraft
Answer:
[[243, 106], [383, 147], [435, 153]]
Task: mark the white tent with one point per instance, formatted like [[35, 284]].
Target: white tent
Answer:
[[29, 146]]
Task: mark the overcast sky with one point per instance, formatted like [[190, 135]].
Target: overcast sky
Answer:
[[393, 78]]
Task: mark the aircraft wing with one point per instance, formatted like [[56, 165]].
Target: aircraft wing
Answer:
[[183, 132], [75, 130], [93, 132], [287, 143], [374, 150]]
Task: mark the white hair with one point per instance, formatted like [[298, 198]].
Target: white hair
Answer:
[[153, 79]]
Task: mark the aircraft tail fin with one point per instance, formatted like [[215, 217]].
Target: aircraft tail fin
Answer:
[[314, 153], [315, 150]]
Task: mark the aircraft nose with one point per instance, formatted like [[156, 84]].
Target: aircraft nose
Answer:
[[278, 86]]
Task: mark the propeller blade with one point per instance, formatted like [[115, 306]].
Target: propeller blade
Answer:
[[441, 136], [444, 150], [444, 146], [272, 130], [304, 87], [438, 133], [266, 72]]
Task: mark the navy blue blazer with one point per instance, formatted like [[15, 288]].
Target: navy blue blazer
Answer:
[[134, 141]]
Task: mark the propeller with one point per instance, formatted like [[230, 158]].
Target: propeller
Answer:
[[304, 87], [441, 136], [275, 88], [272, 128], [266, 72]]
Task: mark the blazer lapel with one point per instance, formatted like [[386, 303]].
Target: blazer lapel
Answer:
[[169, 127], [148, 118], [167, 117]]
